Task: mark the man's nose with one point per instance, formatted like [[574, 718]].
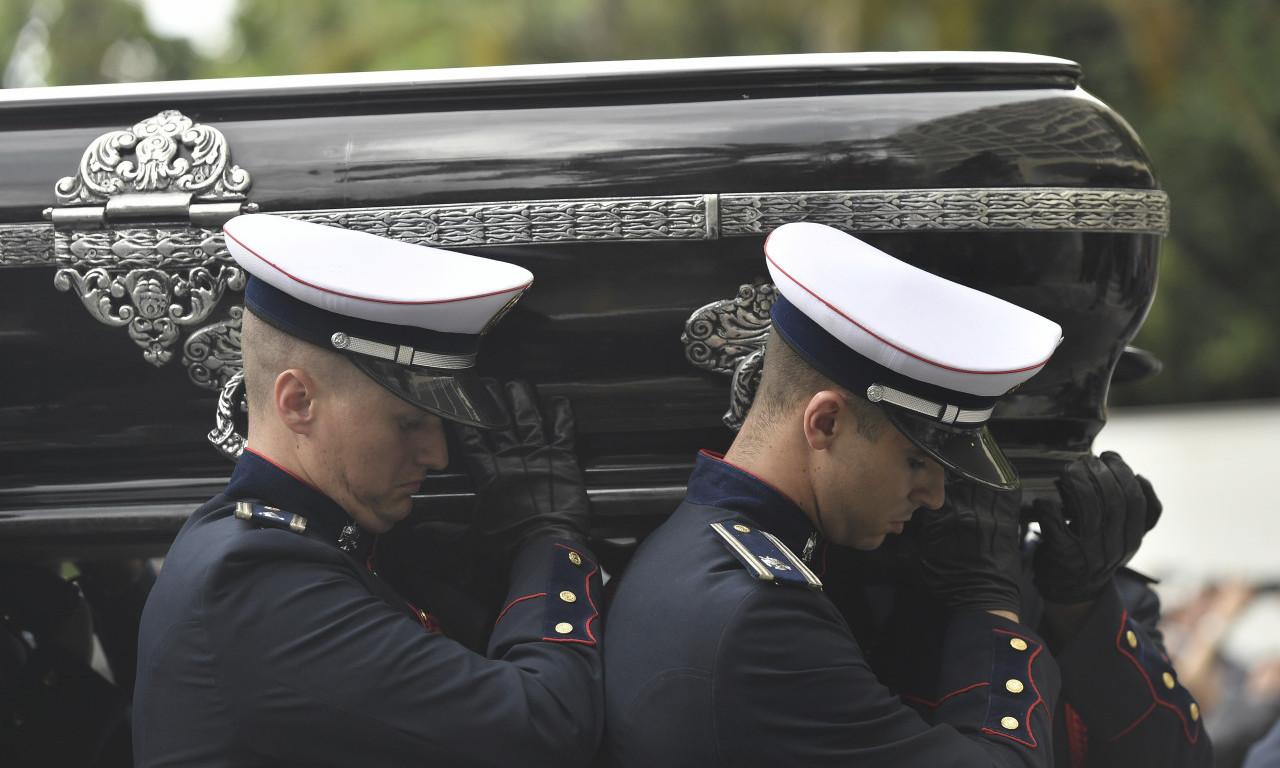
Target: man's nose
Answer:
[[433, 450], [931, 491]]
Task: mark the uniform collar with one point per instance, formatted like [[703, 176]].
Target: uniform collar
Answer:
[[719, 483], [257, 477]]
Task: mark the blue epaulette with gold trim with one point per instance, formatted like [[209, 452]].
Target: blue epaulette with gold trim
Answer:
[[764, 555], [270, 516]]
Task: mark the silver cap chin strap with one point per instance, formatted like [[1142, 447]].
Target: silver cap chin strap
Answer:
[[401, 354], [947, 414]]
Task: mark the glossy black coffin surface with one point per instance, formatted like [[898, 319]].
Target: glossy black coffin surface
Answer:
[[637, 193]]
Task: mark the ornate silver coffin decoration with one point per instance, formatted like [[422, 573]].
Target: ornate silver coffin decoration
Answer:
[[137, 230], [136, 235], [224, 436], [728, 336], [662, 218]]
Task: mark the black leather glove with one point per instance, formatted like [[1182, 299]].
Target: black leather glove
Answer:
[[1094, 530], [968, 549], [528, 476]]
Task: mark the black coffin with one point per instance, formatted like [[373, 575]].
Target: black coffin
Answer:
[[638, 193]]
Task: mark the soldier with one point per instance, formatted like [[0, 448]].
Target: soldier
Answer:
[[1122, 703], [269, 637], [722, 647]]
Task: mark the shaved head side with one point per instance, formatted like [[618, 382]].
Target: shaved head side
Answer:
[[268, 352], [788, 382]]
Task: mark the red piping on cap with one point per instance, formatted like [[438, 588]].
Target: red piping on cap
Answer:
[[891, 344], [363, 298]]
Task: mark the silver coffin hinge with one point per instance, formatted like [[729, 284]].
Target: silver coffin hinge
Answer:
[[138, 239]]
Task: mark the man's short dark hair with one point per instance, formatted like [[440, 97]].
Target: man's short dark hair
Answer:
[[787, 380]]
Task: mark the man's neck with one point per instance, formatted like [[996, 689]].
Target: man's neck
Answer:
[[758, 451]]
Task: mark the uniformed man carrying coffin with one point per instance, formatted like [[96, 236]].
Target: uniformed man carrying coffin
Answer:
[[269, 638], [723, 648]]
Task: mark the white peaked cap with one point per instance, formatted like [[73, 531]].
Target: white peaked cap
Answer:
[[410, 316], [374, 278], [935, 353]]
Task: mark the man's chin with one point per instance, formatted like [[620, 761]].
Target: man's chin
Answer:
[[868, 544], [382, 519]]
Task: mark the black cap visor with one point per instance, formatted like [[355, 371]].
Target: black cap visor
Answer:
[[967, 450], [452, 395]]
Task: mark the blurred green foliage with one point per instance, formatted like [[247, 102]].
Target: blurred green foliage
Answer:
[[1196, 79]]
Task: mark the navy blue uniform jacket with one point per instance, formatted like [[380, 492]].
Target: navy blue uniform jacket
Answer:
[[707, 665], [261, 646], [1121, 702]]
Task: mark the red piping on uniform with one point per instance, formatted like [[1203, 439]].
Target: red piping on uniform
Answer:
[[1077, 737], [512, 604], [595, 611], [720, 458], [934, 704], [1135, 723], [891, 344], [1120, 645], [1030, 679], [364, 298], [425, 619], [282, 469]]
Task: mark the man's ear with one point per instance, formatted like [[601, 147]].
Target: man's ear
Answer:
[[822, 417], [295, 400]]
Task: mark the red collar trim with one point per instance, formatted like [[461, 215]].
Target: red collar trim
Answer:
[[287, 472], [720, 458]]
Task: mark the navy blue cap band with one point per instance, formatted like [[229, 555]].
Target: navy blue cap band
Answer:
[[851, 370], [315, 325]]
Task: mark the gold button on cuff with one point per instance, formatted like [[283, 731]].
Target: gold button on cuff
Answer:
[[564, 627], [1195, 711], [741, 528], [1018, 644], [1131, 639], [568, 597], [1009, 723], [1013, 686], [1168, 680], [575, 558]]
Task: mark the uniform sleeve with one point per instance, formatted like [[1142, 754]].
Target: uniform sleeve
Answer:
[[792, 687], [322, 670], [1122, 704]]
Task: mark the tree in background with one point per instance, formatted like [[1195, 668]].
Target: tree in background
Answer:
[[1194, 77], [75, 42]]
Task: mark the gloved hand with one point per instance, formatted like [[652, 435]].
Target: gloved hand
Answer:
[[529, 481], [967, 549], [1096, 528]]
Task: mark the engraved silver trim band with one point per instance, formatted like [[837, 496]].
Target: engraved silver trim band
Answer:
[[947, 414], [401, 354], [686, 217]]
